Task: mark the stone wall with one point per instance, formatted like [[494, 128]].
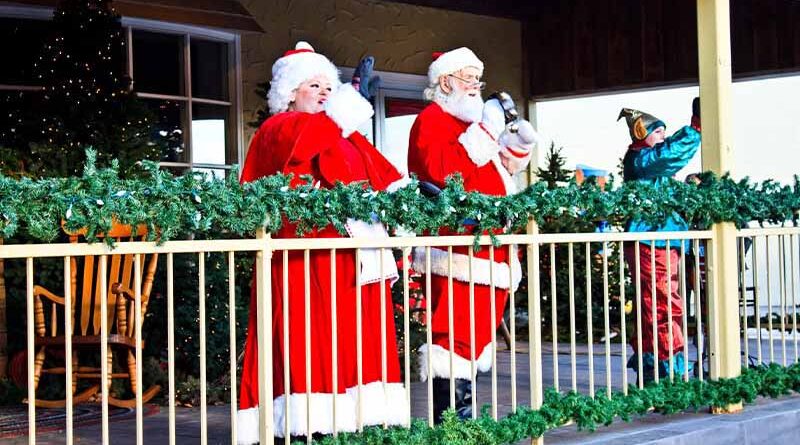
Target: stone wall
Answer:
[[401, 37]]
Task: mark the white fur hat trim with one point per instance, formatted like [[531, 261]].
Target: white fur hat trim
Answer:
[[295, 67], [452, 61]]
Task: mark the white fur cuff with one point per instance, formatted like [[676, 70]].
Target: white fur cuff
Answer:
[[371, 258], [479, 144], [348, 109], [515, 163], [379, 403], [480, 268], [397, 185], [439, 359]]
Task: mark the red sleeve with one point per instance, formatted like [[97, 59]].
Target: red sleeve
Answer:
[[304, 143], [285, 137], [434, 152], [380, 171]]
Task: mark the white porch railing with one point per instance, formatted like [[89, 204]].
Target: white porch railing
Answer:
[[775, 249]]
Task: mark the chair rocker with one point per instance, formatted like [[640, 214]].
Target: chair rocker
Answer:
[[49, 331]]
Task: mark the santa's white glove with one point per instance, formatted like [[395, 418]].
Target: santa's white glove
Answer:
[[401, 231], [494, 118], [517, 148], [525, 136]]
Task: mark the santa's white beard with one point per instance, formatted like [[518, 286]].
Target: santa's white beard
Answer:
[[461, 105]]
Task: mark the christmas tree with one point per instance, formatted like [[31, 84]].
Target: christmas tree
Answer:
[[86, 99], [556, 175]]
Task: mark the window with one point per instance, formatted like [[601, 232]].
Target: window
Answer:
[[188, 78], [398, 102], [398, 110], [22, 37], [22, 31]]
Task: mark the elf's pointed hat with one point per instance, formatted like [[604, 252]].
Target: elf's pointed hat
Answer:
[[640, 124]]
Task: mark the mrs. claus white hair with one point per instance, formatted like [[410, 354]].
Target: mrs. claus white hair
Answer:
[[295, 67]]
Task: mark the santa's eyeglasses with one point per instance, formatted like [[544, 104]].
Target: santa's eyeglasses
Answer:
[[475, 83]]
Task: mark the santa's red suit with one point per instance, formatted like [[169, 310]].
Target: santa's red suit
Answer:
[[439, 146], [313, 144]]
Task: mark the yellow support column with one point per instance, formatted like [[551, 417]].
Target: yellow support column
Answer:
[[714, 49], [534, 324]]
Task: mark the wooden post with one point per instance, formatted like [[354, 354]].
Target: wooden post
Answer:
[[714, 50], [534, 324], [264, 329]]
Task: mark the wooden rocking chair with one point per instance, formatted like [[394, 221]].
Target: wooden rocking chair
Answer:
[[50, 338]]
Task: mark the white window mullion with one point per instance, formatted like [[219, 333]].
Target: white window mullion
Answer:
[[380, 119], [187, 75], [235, 95], [129, 43]]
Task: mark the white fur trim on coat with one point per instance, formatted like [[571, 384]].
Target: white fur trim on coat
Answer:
[[371, 258], [397, 185], [378, 406], [348, 108], [479, 144], [508, 180], [480, 268], [440, 363]]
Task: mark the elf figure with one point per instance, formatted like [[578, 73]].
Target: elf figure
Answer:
[[654, 158]]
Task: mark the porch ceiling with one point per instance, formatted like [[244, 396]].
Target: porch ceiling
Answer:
[[226, 14], [512, 9], [573, 47]]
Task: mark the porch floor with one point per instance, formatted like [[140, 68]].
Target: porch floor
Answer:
[[783, 414]]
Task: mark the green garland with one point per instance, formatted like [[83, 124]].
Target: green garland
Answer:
[[195, 203], [558, 408]]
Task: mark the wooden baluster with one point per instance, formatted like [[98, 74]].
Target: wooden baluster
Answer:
[[110, 365], [75, 371], [132, 370], [122, 315], [38, 361]]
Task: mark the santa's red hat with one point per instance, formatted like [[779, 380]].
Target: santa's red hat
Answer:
[[451, 61], [295, 67]]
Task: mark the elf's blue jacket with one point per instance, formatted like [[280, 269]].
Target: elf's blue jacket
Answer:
[[655, 165]]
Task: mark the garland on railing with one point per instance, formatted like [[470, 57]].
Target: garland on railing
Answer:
[[558, 408], [195, 203]]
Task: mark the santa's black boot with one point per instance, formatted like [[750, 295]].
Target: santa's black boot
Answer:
[[441, 398], [464, 399]]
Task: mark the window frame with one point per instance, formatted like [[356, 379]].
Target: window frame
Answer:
[[235, 130], [26, 13], [393, 85]]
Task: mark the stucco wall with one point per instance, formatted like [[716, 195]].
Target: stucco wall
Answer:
[[401, 37]]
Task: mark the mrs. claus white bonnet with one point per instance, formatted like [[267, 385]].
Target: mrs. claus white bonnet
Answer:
[[295, 67]]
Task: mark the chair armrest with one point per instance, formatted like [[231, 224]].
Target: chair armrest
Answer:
[[120, 291], [39, 291]]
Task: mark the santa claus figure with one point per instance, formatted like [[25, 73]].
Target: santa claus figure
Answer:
[[459, 133], [312, 132]]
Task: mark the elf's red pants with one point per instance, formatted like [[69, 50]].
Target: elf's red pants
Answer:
[[666, 295]]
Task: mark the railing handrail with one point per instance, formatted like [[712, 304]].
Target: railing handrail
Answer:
[[11, 251]]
